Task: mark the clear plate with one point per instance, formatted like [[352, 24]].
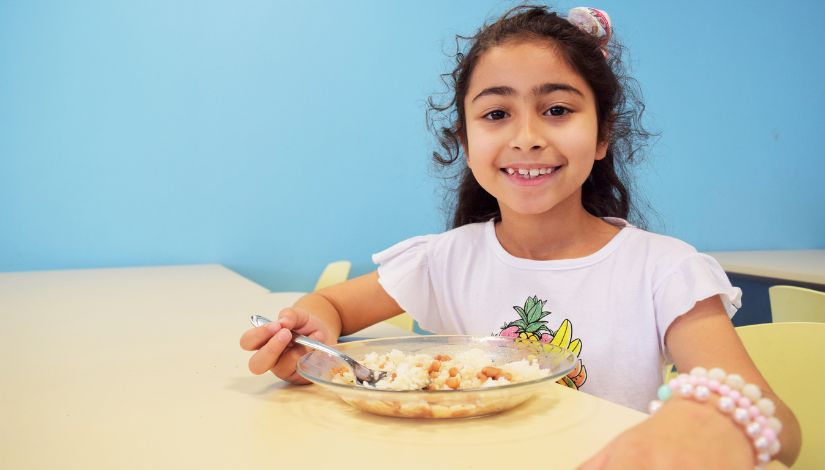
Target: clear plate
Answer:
[[318, 367]]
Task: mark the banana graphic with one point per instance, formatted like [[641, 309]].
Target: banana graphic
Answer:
[[575, 346], [563, 335]]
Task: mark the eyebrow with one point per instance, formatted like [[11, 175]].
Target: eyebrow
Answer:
[[543, 89]]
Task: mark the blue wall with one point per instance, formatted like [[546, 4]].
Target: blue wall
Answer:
[[274, 137]]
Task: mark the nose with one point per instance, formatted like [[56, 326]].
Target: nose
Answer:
[[527, 134]]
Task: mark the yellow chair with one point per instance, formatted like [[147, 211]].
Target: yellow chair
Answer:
[[403, 321], [790, 356], [334, 273], [790, 303]]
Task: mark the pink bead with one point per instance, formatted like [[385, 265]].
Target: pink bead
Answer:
[[724, 390], [744, 402], [674, 384], [755, 414], [760, 419], [735, 395], [769, 433], [713, 385], [702, 381], [692, 380]]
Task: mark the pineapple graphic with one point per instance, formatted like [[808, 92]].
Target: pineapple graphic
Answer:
[[531, 326]]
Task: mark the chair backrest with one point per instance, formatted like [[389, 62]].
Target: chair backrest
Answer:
[[403, 321], [791, 303], [791, 357], [334, 273]]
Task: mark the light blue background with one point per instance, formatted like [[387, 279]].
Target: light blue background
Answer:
[[274, 137]]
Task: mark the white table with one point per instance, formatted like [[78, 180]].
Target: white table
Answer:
[[807, 266], [141, 368]]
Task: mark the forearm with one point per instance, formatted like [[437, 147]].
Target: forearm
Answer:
[[681, 411]]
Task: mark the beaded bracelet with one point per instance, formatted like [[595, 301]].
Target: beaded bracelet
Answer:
[[740, 400]]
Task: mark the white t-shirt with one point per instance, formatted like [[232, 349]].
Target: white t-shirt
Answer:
[[613, 306]]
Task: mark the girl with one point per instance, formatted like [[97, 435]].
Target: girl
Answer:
[[544, 124]]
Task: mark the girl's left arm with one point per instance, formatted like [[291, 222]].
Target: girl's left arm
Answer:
[[705, 337], [690, 434]]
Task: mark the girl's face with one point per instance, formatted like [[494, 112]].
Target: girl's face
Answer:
[[531, 128]]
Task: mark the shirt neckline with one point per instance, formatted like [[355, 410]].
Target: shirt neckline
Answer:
[[572, 263]]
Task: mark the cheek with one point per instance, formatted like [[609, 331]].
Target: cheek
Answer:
[[480, 146]]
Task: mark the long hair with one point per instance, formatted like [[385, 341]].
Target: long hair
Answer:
[[619, 107]]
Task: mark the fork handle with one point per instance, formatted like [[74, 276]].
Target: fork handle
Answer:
[[258, 320]]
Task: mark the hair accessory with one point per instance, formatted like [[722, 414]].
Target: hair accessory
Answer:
[[594, 22], [743, 402]]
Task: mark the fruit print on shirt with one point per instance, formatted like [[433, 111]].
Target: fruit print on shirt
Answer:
[[531, 326]]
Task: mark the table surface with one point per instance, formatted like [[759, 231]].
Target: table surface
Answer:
[[793, 265], [141, 368]]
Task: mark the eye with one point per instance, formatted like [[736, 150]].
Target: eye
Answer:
[[495, 115], [557, 111]]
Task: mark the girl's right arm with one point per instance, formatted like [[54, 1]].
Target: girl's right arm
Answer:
[[323, 315]]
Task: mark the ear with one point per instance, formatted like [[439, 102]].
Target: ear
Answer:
[[601, 149]]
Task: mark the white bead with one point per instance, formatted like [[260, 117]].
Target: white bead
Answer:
[[752, 392], [773, 449], [699, 372], [654, 406], [735, 381], [774, 424], [726, 404], [717, 374], [741, 415], [763, 457], [686, 390], [701, 393], [761, 443], [766, 406], [753, 429]]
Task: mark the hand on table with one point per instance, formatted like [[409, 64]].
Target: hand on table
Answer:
[[682, 434], [273, 343]]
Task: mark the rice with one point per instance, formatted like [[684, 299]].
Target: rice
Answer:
[[468, 369]]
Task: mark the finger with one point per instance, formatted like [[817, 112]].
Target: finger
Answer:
[[288, 363], [268, 355], [297, 379], [293, 318], [253, 338]]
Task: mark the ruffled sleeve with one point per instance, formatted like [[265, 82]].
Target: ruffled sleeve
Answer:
[[403, 272], [695, 278]]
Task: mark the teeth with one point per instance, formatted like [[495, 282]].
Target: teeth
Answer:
[[529, 173]]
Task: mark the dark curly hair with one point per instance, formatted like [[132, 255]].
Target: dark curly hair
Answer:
[[619, 107]]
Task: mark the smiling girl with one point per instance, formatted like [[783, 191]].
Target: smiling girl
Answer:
[[542, 125]]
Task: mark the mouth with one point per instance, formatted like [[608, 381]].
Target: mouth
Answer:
[[530, 173]]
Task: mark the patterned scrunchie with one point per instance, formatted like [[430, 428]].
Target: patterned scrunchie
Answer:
[[594, 22]]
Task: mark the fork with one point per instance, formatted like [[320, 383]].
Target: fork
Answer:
[[363, 375]]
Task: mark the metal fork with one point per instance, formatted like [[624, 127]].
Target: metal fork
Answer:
[[363, 375]]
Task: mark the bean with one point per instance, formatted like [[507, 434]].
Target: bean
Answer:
[[493, 372]]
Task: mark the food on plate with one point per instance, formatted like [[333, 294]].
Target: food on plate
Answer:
[[468, 369]]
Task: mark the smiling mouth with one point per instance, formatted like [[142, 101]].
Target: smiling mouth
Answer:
[[530, 173]]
